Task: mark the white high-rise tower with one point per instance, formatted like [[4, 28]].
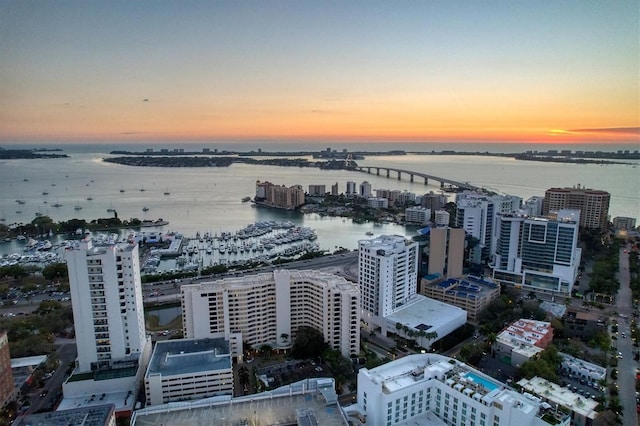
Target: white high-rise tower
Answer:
[[388, 274], [106, 295]]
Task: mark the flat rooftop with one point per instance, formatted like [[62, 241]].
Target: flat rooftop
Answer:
[[99, 415], [122, 400], [173, 357], [468, 287], [423, 313], [291, 405], [559, 395]]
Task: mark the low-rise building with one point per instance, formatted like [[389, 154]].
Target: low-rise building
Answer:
[[469, 293], [188, 369], [583, 410], [98, 415], [523, 339], [417, 214], [621, 223], [431, 389], [378, 203], [581, 369], [308, 402], [581, 324]]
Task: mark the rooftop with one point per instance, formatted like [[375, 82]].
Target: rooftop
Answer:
[[173, 357], [301, 403], [122, 400], [99, 415], [423, 313], [559, 395], [469, 287]]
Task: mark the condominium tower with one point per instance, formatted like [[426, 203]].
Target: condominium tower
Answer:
[[387, 273], [106, 296], [592, 203], [537, 253], [269, 308]]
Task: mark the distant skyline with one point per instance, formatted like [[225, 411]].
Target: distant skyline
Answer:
[[434, 71]]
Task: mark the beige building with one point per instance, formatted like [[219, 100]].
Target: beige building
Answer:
[[279, 195], [269, 308], [446, 251], [592, 203], [470, 294], [7, 388]]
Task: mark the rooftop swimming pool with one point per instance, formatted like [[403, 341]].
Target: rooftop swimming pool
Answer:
[[482, 381]]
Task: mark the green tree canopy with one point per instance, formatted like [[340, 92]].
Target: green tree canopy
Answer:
[[309, 343]]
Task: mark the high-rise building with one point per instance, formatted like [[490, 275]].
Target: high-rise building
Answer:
[[446, 251], [317, 190], [351, 188], [334, 189], [592, 203], [533, 206], [106, 296], [365, 189], [378, 203], [388, 273], [7, 387], [434, 201], [279, 195], [476, 213], [269, 308], [538, 254]]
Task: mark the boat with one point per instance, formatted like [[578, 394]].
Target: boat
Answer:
[[145, 209], [77, 207], [245, 199], [121, 190], [166, 192], [369, 233], [45, 193], [89, 198], [57, 205]]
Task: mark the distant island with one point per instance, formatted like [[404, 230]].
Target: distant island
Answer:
[[27, 154], [337, 159], [200, 161]]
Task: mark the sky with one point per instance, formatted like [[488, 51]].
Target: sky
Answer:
[[501, 71]]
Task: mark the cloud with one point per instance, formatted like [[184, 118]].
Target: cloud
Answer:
[[129, 133], [624, 130]]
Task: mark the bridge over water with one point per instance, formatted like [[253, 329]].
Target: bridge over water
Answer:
[[412, 175]]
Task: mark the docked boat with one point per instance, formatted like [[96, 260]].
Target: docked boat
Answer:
[[245, 199]]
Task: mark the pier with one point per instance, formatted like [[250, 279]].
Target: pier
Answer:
[[412, 175]]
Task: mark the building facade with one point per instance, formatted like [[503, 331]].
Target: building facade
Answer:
[[593, 204], [536, 253], [387, 273], [279, 195], [446, 251], [188, 369], [471, 294], [269, 308], [621, 223], [418, 214], [317, 190], [7, 387], [377, 203], [365, 189], [434, 389], [106, 296]]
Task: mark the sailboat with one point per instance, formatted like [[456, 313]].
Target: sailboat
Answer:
[[167, 192]]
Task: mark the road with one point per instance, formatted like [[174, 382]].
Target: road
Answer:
[[626, 366], [67, 353]]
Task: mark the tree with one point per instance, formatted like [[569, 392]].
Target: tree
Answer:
[[266, 350], [55, 271], [309, 343]]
